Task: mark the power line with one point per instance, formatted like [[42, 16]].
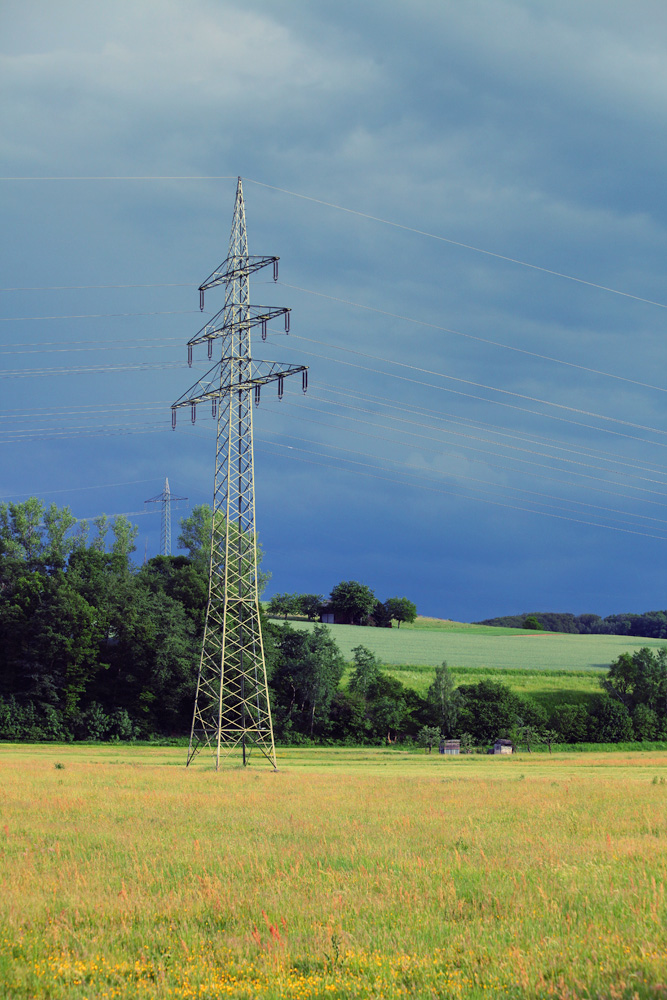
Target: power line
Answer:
[[77, 489], [362, 215], [440, 452], [501, 444], [332, 298], [500, 429], [109, 346], [465, 246], [479, 385], [43, 319], [479, 340], [416, 485], [458, 476], [523, 461], [99, 369], [47, 411], [148, 177], [495, 503], [79, 288], [493, 465]]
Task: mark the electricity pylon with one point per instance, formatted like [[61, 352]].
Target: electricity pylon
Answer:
[[166, 498], [232, 707]]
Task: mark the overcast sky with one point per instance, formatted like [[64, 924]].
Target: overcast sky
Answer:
[[468, 202]]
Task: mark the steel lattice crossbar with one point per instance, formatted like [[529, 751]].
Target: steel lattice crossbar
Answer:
[[232, 708]]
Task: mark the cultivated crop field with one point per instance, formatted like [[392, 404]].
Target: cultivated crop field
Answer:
[[349, 873], [484, 646]]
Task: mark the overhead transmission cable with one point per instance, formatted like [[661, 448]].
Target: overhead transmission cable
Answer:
[[418, 485], [420, 472], [363, 215], [495, 503], [465, 246], [99, 369], [80, 288], [356, 305], [500, 429], [479, 385], [504, 468], [502, 444], [479, 340], [43, 319], [529, 462]]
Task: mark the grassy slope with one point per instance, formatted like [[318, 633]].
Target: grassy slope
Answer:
[[548, 666]]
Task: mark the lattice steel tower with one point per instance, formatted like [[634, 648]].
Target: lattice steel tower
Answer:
[[232, 708], [166, 498]]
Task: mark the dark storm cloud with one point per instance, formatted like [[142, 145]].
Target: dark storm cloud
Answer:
[[531, 130]]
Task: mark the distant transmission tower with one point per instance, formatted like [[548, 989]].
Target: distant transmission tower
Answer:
[[232, 706], [166, 498]]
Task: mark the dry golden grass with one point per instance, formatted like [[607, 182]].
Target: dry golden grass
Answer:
[[347, 874]]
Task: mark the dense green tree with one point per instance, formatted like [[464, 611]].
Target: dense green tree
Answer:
[[353, 601], [645, 723], [651, 624], [310, 605], [532, 622], [550, 737], [609, 721], [392, 710], [21, 532], [427, 736], [365, 672], [283, 605], [401, 609], [444, 701], [528, 734], [379, 616], [180, 579], [305, 676], [490, 710], [640, 678], [571, 722], [388, 708]]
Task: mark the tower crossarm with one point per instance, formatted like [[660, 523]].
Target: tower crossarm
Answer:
[[212, 386], [222, 324], [164, 497], [235, 267]]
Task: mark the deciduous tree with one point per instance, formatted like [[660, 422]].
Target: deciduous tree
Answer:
[[401, 609], [352, 600]]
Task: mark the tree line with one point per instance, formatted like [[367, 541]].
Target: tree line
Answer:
[[649, 625], [350, 602], [94, 647]]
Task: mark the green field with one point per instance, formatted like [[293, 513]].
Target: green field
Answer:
[[484, 646], [348, 874], [550, 667]]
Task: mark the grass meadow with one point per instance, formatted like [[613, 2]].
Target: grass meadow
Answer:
[[349, 873]]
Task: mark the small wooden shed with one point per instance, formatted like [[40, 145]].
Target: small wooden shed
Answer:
[[450, 746], [503, 746]]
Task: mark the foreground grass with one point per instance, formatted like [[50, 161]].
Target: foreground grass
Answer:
[[351, 873]]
